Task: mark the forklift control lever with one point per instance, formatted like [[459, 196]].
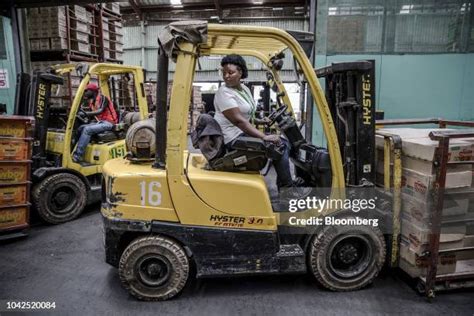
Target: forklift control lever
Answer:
[[276, 115]]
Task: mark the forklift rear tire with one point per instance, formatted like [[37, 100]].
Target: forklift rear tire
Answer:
[[60, 198], [154, 268], [347, 258]]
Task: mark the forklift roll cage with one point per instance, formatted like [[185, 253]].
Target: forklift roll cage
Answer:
[[103, 71], [264, 43]]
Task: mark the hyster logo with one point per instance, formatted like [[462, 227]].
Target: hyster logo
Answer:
[[228, 219], [366, 100], [40, 104]]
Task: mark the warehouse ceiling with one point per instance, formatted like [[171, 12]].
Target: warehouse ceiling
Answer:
[[219, 9], [162, 5], [162, 10], [44, 3]]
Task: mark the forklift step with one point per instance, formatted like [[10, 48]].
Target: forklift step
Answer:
[[291, 259], [290, 251]]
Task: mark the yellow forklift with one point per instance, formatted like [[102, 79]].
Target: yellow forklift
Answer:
[[61, 187], [182, 212]]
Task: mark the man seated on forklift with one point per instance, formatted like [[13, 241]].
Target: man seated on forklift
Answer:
[[102, 109]]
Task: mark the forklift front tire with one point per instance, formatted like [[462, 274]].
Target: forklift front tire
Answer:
[[347, 258], [60, 197], [154, 268]]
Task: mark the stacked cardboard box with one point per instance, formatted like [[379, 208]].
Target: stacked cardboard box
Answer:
[[418, 180], [150, 93], [106, 36], [60, 96], [113, 39], [469, 238], [47, 28], [81, 28], [116, 40], [196, 108], [15, 163], [113, 6], [58, 92]]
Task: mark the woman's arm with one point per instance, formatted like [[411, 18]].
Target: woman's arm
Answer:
[[236, 118]]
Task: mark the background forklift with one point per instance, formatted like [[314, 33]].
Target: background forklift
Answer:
[[180, 212], [62, 188]]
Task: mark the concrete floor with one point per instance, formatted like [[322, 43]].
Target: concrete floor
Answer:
[[65, 264]]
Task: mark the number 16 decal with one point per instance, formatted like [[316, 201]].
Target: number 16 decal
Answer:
[[149, 193]]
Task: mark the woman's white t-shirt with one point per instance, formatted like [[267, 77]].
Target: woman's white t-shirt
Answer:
[[228, 98]]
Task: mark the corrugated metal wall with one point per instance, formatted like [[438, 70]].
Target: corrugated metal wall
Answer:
[[429, 26], [208, 70]]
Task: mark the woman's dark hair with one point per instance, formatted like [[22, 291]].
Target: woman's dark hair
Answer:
[[237, 60]]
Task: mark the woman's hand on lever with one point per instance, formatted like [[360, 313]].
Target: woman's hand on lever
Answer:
[[273, 139]]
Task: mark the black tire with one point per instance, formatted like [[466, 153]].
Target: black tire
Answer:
[[60, 198], [154, 268], [347, 258]]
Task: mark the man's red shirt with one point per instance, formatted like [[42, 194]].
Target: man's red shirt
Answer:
[[109, 114]]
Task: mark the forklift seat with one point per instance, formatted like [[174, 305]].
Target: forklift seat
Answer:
[[249, 153], [117, 132]]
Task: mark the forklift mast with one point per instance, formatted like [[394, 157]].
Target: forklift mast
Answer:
[[38, 106], [350, 93]]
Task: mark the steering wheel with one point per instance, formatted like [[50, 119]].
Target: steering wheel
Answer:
[[275, 115], [82, 116]]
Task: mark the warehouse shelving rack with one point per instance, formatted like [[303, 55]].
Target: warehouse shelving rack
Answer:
[[70, 54]]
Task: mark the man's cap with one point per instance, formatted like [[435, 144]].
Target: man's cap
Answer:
[[92, 86]]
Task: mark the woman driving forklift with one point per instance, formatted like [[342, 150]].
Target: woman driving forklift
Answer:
[[235, 110]]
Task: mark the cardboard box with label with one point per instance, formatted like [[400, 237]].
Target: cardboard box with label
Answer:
[[424, 149], [417, 236], [416, 265], [420, 210], [427, 167], [407, 133], [420, 185]]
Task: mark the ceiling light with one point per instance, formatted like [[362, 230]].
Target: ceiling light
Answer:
[[175, 1], [258, 2], [178, 6], [277, 9]]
